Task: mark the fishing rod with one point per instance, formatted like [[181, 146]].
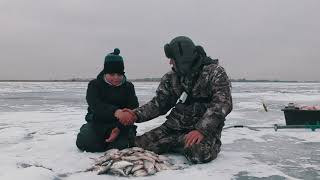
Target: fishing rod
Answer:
[[276, 127], [313, 127]]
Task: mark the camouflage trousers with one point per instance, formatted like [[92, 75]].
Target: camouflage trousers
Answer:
[[164, 139]]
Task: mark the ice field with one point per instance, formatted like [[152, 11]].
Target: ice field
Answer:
[[39, 122]]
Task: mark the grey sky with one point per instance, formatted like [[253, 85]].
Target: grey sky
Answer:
[[254, 39]]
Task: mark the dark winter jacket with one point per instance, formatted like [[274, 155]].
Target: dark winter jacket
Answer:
[[104, 99]]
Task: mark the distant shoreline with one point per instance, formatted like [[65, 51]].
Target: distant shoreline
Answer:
[[157, 80]]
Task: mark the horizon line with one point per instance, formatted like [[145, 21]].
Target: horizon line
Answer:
[[150, 79]]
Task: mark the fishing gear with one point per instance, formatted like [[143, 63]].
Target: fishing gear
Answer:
[[276, 127], [264, 107], [312, 127]]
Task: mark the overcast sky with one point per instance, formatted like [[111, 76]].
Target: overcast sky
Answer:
[[254, 39]]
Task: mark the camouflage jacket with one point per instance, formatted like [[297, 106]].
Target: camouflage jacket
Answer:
[[211, 102]]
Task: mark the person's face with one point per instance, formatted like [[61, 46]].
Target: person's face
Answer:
[[114, 78]]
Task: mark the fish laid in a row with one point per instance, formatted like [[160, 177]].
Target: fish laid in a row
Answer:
[[132, 162]]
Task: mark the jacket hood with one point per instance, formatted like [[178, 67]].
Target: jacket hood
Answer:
[[100, 77]]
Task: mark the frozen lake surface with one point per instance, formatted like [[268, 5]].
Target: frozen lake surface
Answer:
[[39, 123]]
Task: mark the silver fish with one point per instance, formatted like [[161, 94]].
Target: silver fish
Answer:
[[111, 151], [103, 159], [148, 159], [118, 172], [158, 167], [107, 163], [121, 164], [137, 149], [104, 169], [143, 156], [139, 162], [149, 166], [140, 172], [132, 162], [167, 166], [128, 170], [137, 167], [150, 155], [130, 158], [126, 152]]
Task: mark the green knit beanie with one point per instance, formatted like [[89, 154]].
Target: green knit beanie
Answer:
[[113, 63]]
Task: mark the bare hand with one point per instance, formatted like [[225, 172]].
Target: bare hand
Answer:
[[193, 137], [131, 112], [114, 134], [125, 116]]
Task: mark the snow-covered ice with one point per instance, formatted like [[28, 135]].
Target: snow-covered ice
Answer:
[[39, 123]]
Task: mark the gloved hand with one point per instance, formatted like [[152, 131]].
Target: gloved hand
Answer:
[[193, 137], [114, 134]]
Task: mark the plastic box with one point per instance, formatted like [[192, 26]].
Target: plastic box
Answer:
[[295, 116]]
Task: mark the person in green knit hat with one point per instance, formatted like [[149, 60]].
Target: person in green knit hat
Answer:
[[106, 96]]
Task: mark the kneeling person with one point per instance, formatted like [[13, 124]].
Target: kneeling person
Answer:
[[194, 124], [106, 96]]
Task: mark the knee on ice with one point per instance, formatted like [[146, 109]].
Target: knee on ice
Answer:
[[80, 144], [197, 155]]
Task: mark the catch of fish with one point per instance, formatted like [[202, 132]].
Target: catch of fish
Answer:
[[133, 161]]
